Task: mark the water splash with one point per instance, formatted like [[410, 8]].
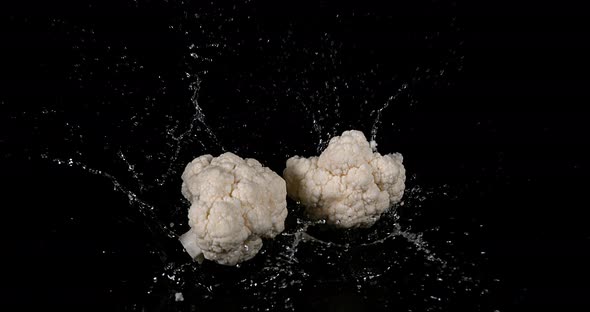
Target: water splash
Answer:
[[378, 112], [198, 118], [146, 209], [286, 264], [414, 238], [131, 170], [283, 267]]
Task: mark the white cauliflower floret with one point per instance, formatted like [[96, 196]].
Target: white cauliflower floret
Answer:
[[234, 203], [348, 185]]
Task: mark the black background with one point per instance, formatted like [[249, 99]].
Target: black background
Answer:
[[509, 121]]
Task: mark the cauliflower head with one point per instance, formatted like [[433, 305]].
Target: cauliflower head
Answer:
[[234, 203], [349, 185]]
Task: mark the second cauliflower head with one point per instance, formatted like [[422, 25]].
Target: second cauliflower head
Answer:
[[349, 185], [234, 203]]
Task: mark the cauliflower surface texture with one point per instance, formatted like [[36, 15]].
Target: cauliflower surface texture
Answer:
[[234, 203], [349, 185]]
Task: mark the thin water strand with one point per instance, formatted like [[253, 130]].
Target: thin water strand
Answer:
[[145, 208], [378, 113]]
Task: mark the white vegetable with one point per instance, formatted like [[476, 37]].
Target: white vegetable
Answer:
[[348, 185], [234, 203]]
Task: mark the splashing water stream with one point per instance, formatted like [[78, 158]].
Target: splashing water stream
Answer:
[[286, 264]]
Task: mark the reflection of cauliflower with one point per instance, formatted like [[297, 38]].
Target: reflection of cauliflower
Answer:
[[348, 184], [234, 202]]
